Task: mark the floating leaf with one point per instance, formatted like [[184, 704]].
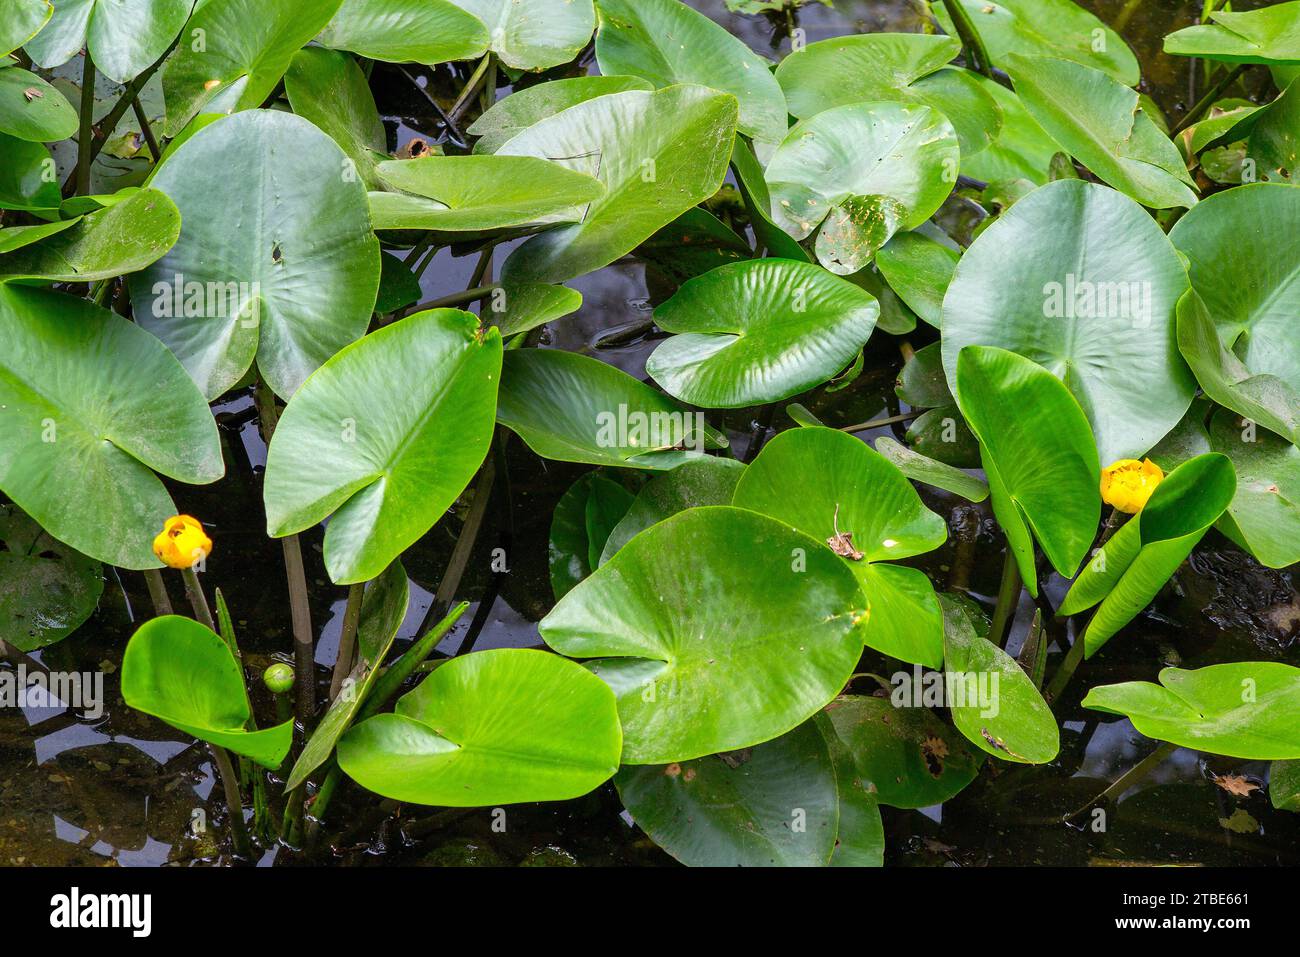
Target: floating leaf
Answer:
[[1270, 35], [932, 472], [572, 408], [717, 629], [1284, 785], [1039, 455], [658, 155], [494, 727], [1264, 517], [1249, 709], [280, 265], [184, 674], [80, 437], [919, 270], [124, 37], [404, 419], [402, 31], [535, 35], [22, 20], [1022, 148], [582, 522], [47, 590], [519, 307], [1082, 281], [31, 109], [526, 107], [27, 178], [759, 331], [831, 486], [328, 89]]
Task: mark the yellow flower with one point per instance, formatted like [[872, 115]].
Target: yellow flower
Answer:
[[1128, 483], [182, 543]]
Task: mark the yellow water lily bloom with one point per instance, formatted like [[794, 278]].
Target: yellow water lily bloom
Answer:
[[1128, 483], [182, 543]]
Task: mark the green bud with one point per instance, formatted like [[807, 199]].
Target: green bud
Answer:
[[278, 678]]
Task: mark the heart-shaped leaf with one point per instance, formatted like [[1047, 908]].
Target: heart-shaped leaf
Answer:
[[494, 727], [1269, 35], [717, 629], [401, 31], [1098, 121], [1021, 150], [480, 193], [919, 270], [31, 109], [404, 419], [1249, 709], [1039, 455], [868, 170], [991, 699], [22, 20], [519, 307], [1264, 517], [534, 35], [658, 155], [833, 488], [281, 265], [236, 55], [124, 37], [117, 239], [328, 89], [1082, 281], [910, 757], [82, 433], [183, 673], [573, 408], [1130, 569], [25, 180], [526, 107], [759, 331], [383, 607], [582, 522], [667, 42], [47, 590]]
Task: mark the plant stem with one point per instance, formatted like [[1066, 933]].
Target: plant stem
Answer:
[[388, 683], [460, 554], [471, 87], [304, 664], [146, 130], [85, 133], [162, 604], [1066, 671], [194, 591], [458, 298], [347, 638], [1130, 777], [977, 55], [881, 423], [234, 802], [1008, 598], [1205, 102]]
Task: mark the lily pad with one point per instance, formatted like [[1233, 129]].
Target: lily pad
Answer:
[[835, 489], [184, 674], [47, 590], [519, 307], [1098, 121], [1284, 785], [1270, 35], [534, 35], [1249, 709], [919, 270], [658, 154], [1021, 150], [572, 408], [910, 757], [932, 472], [124, 37], [1082, 281], [526, 107], [717, 629], [328, 89], [1039, 455], [406, 31], [80, 438], [31, 109], [404, 419], [759, 331], [667, 42], [1130, 569], [493, 727], [28, 177], [1264, 517], [22, 20], [582, 522], [280, 266]]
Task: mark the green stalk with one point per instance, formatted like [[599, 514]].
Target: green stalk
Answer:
[[977, 55], [1205, 102], [1129, 778], [146, 130], [194, 591], [234, 803], [881, 423], [1008, 598], [471, 88], [347, 638], [86, 132], [388, 683], [162, 604]]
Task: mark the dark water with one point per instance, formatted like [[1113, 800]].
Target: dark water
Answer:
[[124, 788]]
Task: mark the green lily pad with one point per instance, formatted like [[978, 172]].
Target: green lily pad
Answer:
[[47, 590], [1082, 281], [868, 170], [520, 110], [383, 607], [28, 177], [717, 629], [1249, 709], [1271, 139], [919, 270], [861, 839], [1021, 150], [774, 805], [31, 109], [759, 331], [125, 37], [1098, 121], [404, 419], [184, 674], [667, 42], [658, 155], [534, 35], [932, 472], [81, 438], [1039, 455], [1264, 517], [906, 754], [480, 193], [1270, 35], [572, 408], [236, 55], [582, 522], [1130, 569], [1284, 785], [493, 727], [829, 485], [280, 266], [519, 307], [752, 186], [710, 480], [1057, 28], [943, 435], [328, 89], [20, 21], [117, 239]]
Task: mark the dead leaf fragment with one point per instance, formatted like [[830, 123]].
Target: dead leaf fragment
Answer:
[[1236, 784], [841, 543]]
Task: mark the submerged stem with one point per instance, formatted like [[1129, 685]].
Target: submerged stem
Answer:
[[881, 423], [1130, 777], [234, 802], [304, 664]]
